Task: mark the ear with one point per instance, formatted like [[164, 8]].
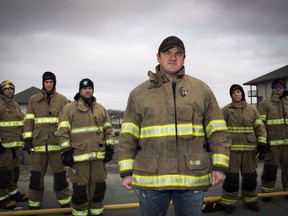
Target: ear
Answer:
[[158, 55]]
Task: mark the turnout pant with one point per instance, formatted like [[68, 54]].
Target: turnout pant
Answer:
[[39, 165], [246, 163], [89, 186]]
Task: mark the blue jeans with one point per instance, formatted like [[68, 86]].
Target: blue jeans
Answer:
[[156, 203]]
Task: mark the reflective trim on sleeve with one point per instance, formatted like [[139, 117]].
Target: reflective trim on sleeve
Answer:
[[64, 124], [125, 165], [215, 125], [220, 160], [129, 127], [29, 116], [65, 144], [109, 141], [26, 135], [107, 125]]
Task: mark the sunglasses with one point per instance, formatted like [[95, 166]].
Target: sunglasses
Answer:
[[278, 86]]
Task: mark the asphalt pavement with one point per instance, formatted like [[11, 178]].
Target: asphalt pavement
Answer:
[[116, 194]]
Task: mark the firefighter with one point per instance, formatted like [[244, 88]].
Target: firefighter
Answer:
[[11, 126], [274, 113], [168, 122], [40, 126], [248, 136], [85, 137]]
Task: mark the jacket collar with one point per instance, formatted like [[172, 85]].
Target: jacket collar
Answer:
[[159, 78]]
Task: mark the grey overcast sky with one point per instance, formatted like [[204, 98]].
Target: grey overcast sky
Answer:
[[114, 42]]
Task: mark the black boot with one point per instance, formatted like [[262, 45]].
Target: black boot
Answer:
[[252, 206], [228, 209], [18, 197], [7, 204]]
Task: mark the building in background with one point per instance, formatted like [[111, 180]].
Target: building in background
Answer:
[[260, 87]]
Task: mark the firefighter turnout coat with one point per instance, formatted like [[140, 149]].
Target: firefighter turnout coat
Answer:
[[167, 131], [247, 131], [11, 126], [85, 131], [274, 113]]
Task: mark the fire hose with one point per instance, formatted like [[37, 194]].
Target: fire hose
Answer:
[[118, 206]]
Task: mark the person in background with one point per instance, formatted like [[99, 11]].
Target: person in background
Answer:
[[11, 126], [248, 136], [274, 113], [40, 126], [85, 136], [168, 123]]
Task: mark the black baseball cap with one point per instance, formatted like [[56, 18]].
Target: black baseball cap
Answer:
[[170, 42]]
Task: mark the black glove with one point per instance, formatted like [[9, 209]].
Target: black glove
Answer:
[[2, 148], [109, 153], [67, 158], [261, 151], [28, 146]]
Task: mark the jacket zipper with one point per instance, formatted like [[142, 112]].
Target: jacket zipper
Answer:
[[175, 111]]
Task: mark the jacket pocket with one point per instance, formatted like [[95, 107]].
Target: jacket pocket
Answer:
[[251, 138], [80, 146], [146, 163], [199, 163]]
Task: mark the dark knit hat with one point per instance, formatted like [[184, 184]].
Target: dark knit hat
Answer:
[[237, 87], [170, 42], [278, 82], [49, 75], [86, 83]]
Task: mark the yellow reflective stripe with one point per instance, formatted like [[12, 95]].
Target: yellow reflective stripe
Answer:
[[109, 141], [129, 127], [26, 135], [96, 211], [275, 121], [126, 165], [261, 139], [49, 148], [13, 192], [107, 125], [158, 131], [64, 124], [230, 202], [4, 197], [65, 144], [169, 130], [11, 123], [64, 201], [29, 116], [173, 180], [215, 125], [267, 190], [278, 142], [13, 144], [220, 159], [242, 147], [241, 129], [89, 156], [46, 120], [258, 122], [36, 204], [250, 199], [79, 212], [86, 129]]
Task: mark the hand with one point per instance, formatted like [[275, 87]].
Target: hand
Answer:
[[218, 177], [67, 158], [261, 151], [2, 148], [127, 182], [109, 153], [28, 146]]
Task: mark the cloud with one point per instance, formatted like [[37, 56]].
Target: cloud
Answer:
[[115, 42]]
